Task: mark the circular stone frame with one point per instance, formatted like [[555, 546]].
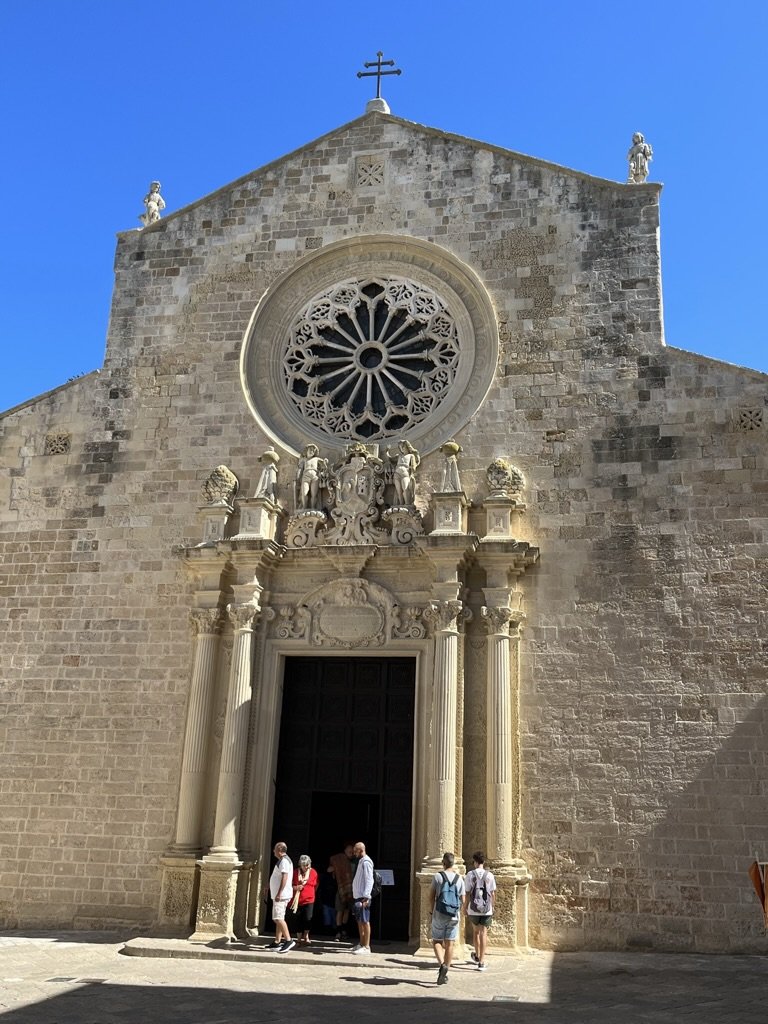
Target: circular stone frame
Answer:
[[261, 362]]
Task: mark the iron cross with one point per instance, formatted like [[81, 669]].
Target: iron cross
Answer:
[[378, 64]]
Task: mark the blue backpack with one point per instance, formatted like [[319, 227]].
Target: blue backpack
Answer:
[[448, 901]]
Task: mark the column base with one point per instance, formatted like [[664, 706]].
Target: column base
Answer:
[[215, 916], [178, 894]]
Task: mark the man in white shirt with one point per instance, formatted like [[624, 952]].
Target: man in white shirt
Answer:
[[446, 895], [362, 885], [281, 891]]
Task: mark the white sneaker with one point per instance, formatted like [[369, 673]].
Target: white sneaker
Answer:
[[356, 947], [362, 951]]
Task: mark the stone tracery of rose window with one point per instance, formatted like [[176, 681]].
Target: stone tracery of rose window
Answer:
[[370, 358]]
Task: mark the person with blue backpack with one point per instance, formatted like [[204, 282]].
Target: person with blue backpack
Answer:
[[447, 893], [478, 904]]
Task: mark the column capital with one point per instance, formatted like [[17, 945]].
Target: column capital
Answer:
[[205, 620], [242, 615], [442, 615], [496, 619]]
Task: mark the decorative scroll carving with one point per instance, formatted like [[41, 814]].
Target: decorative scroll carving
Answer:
[[220, 487], [205, 620], [371, 356], [293, 622], [303, 529], [405, 524], [242, 615], [441, 615], [407, 624], [58, 443]]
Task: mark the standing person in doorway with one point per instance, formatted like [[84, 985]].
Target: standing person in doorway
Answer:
[[478, 905], [281, 890], [342, 867], [305, 885], [446, 895], [362, 886]]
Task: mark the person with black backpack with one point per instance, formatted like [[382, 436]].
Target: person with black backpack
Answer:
[[446, 896], [478, 905]]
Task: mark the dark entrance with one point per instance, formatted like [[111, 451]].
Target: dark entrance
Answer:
[[345, 770]]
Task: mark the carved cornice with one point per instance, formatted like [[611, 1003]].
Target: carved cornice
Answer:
[[205, 620]]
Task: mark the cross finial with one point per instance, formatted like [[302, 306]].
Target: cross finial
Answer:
[[378, 103]]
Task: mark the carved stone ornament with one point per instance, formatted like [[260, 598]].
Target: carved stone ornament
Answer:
[[221, 487], [205, 620], [371, 356], [242, 615], [357, 484], [405, 523], [407, 623], [451, 482], [504, 479], [303, 528], [496, 620], [267, 485], [351, 612], [292, 622], [442, 615]]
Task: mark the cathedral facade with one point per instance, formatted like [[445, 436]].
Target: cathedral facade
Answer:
[[391, 517]]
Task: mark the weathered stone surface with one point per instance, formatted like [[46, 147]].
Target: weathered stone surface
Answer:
[[640, 716]]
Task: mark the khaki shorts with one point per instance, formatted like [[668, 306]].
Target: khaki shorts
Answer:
[[278, 910]]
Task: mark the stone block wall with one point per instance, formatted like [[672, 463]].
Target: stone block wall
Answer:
[[642, 672]]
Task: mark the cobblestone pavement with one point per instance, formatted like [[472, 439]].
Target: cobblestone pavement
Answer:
[[86, 978]]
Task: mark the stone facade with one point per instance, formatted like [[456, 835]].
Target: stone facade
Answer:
[[589, 640]]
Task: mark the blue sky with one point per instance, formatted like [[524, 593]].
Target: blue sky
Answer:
[[101, 96]]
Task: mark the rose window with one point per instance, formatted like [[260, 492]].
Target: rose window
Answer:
[[369, 358]]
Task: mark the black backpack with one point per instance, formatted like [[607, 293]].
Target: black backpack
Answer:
[[376, 887]]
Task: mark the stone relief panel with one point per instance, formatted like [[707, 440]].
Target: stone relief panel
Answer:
[[349, 613]]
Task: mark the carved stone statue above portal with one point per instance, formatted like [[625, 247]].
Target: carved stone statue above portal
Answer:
[[311, 479], [406, 460], [451, 483], [220, 487], [267, 485], [357, 486]]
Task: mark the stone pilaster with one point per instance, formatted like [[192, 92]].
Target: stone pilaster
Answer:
[[219, 869], [442, 616], [503, 772], [179, 880], [206, 623]]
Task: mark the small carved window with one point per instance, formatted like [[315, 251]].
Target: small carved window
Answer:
[[750, 419], [57, 444], [370, 171]]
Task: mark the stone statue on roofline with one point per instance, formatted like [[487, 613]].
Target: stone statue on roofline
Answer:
[[639, 156], [154, 204], [406, 460]]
